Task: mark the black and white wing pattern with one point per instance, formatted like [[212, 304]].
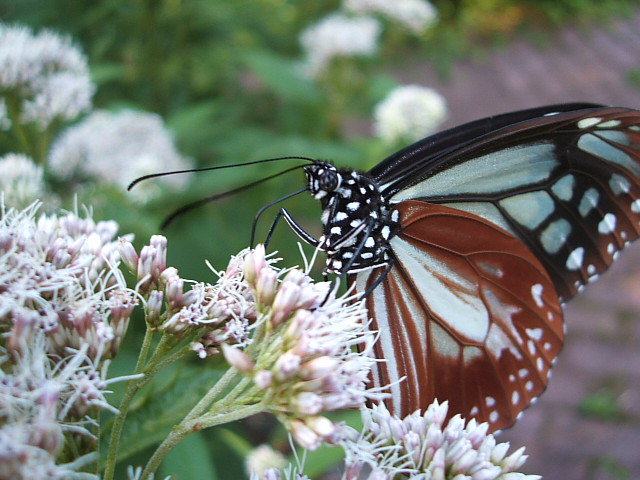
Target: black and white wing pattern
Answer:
[[469, 241]]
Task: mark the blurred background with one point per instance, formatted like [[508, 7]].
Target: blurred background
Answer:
[[232, 81]]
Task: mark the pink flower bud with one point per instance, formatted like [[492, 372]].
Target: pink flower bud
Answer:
[[286, 366], [266, 286], [285, 302], [263, 379], [304, 435], [237, 359], [254, 263]]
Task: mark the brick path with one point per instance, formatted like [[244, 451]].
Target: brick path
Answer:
[[602, 348]]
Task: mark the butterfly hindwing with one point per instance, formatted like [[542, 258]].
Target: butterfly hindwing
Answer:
[[466, 314]]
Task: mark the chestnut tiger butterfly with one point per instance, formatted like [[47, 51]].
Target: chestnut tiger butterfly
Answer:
[[468, 242], [465, 245]]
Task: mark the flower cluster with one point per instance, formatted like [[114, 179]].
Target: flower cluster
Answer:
[[43, 77], [409, 113], [338, 36], [416, 15], [64, 309], [59, 275], [306, 362], [426, 446], [213, 314], [22, 181], [116, 148]]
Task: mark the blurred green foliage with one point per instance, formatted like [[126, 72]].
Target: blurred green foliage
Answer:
[[223, 74]]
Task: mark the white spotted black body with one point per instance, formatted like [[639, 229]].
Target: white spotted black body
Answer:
[[355, 216]]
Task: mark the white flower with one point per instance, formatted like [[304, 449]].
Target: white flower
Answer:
[[338, 36], [21, 180], [46, 72], [426, 446], [59, 275], [416, 15], [262, 458], [309, 362], [117, 148], [409, 113]]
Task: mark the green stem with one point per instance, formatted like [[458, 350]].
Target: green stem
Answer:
[[193, 425], [133, 387]]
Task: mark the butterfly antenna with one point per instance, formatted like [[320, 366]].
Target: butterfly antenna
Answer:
[[204, 169], [203, 201]]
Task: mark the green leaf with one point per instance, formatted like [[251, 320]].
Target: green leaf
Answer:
[[190, 460], [163, 406], [281, 76]]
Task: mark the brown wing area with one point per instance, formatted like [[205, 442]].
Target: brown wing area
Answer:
[[467, 314]]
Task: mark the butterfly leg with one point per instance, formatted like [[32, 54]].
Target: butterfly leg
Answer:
[[283, 213], [347, 266]]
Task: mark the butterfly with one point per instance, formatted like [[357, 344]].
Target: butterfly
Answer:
[[467, 243]]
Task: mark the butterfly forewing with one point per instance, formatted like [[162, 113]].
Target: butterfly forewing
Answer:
[[564, 184], [467, 314]]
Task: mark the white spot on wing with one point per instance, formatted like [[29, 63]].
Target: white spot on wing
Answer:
[[563, 188], [635, 206], [588, 122], [536, 293], [515, 397], [554, 236], [353, 206], [588, 202], [619, 184], [575, 259], [607, 224], [534, 333], [609, 124]]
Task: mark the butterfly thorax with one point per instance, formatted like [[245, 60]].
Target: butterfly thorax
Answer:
[[357, 220]]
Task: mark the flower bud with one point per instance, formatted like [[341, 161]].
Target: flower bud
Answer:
[[304, 435], [266, 286], [237, 359], [263, 379], [254, 263]]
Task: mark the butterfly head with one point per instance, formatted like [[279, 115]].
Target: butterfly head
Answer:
[[322, 178]]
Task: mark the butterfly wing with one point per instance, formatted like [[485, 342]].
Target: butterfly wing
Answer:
[[566, 184], [466, 314], [498, 225]]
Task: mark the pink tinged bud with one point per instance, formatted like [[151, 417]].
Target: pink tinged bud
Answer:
[[254, 263], [411, 443], [175, 291], [438, 465], [271, 474], [304, 435], [498, 452], [285, 302], [263, 379], [307, 403], [465, 462], [319, 367], [324, 427], [487, 473], [286, 366], [237, 359], [515, 460], [128, 254], [266, 286], [159, 242], [154, 306]]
